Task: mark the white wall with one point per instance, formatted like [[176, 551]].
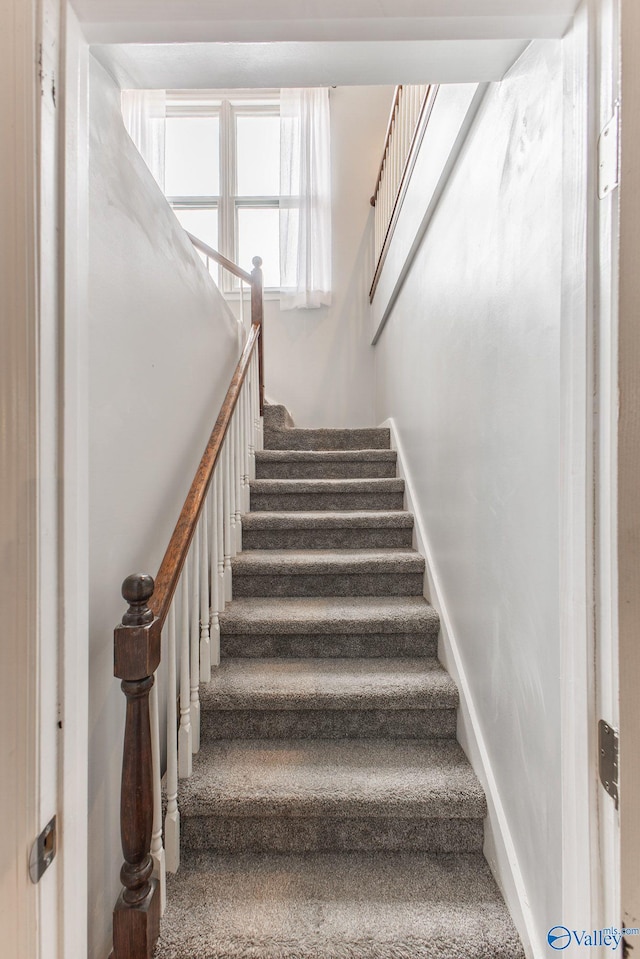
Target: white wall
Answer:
[[162, 349], [319, 363], [468, 367]]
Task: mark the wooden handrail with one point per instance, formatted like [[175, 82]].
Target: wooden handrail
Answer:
[[219, 258], [176, 553], [387, 137], [137, 653]]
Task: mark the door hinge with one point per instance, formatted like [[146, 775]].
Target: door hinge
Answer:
[[43, 851], [608, 758], [608, 156]]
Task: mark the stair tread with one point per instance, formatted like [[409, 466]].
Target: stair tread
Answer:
[[325, 456], [349, 485], [329, 684], [330, 614], [331, 753], [345, 779], [351, 905], [328, 519], [323, 439], [327, 561]]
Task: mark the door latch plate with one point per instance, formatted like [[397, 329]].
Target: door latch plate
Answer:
[[43, 851], [608, 157], [608, 758]]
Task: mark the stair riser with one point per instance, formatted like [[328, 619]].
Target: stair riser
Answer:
[[293, 835], [345, 538], [341, 584], [277, 417], [329, 645], [309, 502], [299, 439], [328, 724], [366, 469]]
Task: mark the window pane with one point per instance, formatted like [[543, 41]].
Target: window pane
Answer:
[[202, 223], [192, 156], [258, 155], [258, 235]]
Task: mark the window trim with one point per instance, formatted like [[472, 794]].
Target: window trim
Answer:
[[227, 105]]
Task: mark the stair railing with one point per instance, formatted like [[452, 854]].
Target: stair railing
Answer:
[[410, 111], [178, 613]]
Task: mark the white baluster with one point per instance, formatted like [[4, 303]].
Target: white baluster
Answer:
[[406, 130], [184, 733], [246, 439], [254, 400], [259, 418], [251, 429], [157, 850], [172, 816], [218, 519], [237, 473], [226, 503], [194, 640], [392, 155], [242, 450], [216, 581], [387, 189], [205, 607], [231, 442], [242, 304]]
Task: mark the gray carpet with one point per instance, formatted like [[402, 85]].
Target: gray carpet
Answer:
[[331, 813], [359, 906], [326, 494], [327, 529], [336, 572], [325, 464]]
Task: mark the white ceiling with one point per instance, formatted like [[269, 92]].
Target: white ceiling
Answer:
[[149, 21], [250, 43], [201, 65]]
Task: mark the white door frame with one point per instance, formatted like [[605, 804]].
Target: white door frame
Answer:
[[606, 831], [627, 514], [576, 480], [19, 718], [43, 677], [588, 563], [73, 437]]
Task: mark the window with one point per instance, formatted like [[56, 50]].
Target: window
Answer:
[[222, 173]]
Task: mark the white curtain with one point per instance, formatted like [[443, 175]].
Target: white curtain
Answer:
[[305, 199], [144, 117]]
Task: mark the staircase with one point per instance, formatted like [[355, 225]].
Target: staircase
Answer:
[[331, 813]]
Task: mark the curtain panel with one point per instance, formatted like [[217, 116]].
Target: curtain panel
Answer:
[[144, 113], [305, 199]]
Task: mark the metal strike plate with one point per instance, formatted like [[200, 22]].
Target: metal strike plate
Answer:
[[43, 851], [608, 758], [608, 157]]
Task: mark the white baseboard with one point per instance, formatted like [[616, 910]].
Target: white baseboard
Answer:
[[499, 849]]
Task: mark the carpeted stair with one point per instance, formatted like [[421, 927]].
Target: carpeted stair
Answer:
[[331, 813]]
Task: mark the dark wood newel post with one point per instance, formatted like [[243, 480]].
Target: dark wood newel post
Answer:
[[257, 316], [136, 917]]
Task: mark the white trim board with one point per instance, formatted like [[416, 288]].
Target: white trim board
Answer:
[[499, 848], [74, 502], [19, 502], [579, 776]]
